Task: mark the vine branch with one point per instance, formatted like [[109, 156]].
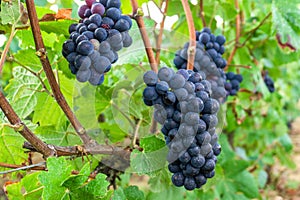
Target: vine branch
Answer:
[[237, 33], [82, 150], [202, 13], [20, 127], [6, 48], [161, 30], [192, 46], [41, 52], [140, 22]]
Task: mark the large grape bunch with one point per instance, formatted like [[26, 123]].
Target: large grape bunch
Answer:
[[94, 41], [214, 47], [184, 107]]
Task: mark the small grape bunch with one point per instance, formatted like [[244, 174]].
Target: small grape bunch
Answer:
[[269, 82], [188, 116], [232, 84], [94, 41]]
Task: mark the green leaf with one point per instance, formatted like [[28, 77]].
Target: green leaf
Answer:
[[58, 172], [246, 183], [60, 184], [147, 163], [133, 193], [11, 144], [28, 189], [160, 180], [22, 91], [10, 12], [151, 143], [58, 27], [286, 20], [119, 194]]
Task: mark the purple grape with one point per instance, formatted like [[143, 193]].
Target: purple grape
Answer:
[[98, 8]]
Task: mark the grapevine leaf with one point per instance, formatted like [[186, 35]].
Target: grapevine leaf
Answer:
[[28, 189], [58, 172], [11, 146], [246, 183], [22, 91], [286, 20], [133, 192], [151, 143], [10, 12], [147, 163]]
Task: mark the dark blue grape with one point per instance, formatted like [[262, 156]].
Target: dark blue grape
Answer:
[[72, 28], [174, 168], [198, 160], [88, 34], [92, 27], [194, 151], [69, 46], [128, 19], [113, 13], [81, 38], [71, 57], [87, 13], [220, 39], [107, 23], [122, 25], [85, 48], [217, 149], [169, 98], [204, 38], [87, 21], [162, 87], [230, 76], [100, 34], [96, 19], [189, 183], [113, 3], [185, 157], [209, 165], [200, 180], [238, 77], [178, 179], [150, 93]]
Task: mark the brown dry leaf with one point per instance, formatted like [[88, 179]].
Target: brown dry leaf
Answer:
[[48, 17], [61, 14], [64, 14]]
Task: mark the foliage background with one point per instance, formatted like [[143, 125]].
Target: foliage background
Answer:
[[255, 125]]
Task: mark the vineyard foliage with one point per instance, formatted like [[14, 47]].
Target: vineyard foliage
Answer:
[[253, 125]]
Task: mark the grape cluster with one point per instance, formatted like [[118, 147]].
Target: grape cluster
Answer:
[[203, 62], [232, 84], [95, 40], [183, 105], [269, 82], [213, 46]]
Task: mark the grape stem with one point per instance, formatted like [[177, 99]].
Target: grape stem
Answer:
[[41, 52], [237, 34], [201, 12], [192, 46], [161, 30], [140, 22], [38, 166], [20, 127], [6, 48]]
